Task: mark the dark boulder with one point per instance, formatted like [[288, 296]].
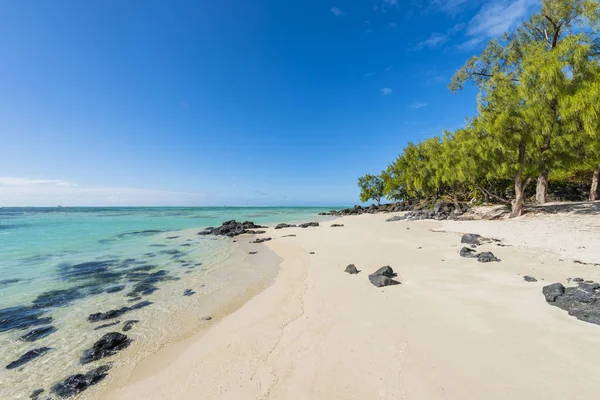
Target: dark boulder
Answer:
[[38, 333], [581, 301], [552, 292], [486, 257], [351, 269], [262, 240], [309, 224], [253, 232], [528, 278], [27, 357], [188, 292], [337, 225], [577, 280], [383, 277], [252, 252], [468, 253], [36, 394], [107, 346], [115, 289], [385, 271], [21, 317], [76, 384], [281, 226], [471, 238]]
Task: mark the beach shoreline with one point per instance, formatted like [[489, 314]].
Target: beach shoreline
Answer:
[[316, 332]]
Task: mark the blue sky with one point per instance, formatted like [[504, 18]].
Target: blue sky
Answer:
[[143, 102]]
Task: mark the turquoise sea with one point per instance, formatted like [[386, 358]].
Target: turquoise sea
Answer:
[[57, 265]]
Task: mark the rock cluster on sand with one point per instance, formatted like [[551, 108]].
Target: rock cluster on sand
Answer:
[[108, 345], [474, 240], [581, 301], [233, 228], [438, 210], [383, 277], [262, 240], [308, 224], [281, 226]]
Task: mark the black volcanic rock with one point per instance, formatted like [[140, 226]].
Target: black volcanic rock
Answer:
[[231, 228], [27, 357], [38, 333], [76, 384], [351, 269], [309, 224], [383, 277], [581, 301], [107, 346], [281, 226]]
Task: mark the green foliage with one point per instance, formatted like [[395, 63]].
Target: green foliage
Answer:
[[538, 112], [371, 188]]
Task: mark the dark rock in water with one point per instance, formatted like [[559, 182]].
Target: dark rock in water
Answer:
[[59, 298], [99, 271], [486, 257], [188, 292], [471, 238], [9, 281], [38, 333], [581, 301], [468, 253], [172, 237], [107, 325], [528, 278], [147, 285], [577, 280], [385, 271], [76, 384], [129, 324], [21, 317], [309, 224], [552, 292], [289, 236], [281, 226], [27, 357], [117, 313], [252, 252], [133, 299], [351, 269], [381, 281], [337, 225], [262, 240], [147, 232], [115, 289], [107, 346], [157, 245], [36, 394], [231, 228], [396, 218], [383, 277]]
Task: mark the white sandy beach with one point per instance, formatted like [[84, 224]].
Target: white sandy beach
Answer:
[[454, 329]]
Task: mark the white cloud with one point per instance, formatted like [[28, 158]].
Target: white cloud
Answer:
[[418, 105], [51, 192], [451, 7], [435, 40], [498, 16], [337, 12], [368, 74], [470, 44], [386, 91]]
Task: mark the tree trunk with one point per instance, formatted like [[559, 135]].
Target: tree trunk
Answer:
[[594, 188], [517, 203], [541, 190]]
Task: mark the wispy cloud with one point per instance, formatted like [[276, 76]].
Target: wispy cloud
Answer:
[[386, 91], [368, 74], [392, 25], [418, 105], [384, 5], [388, 69], [337, 12], [494, 19], [51, 192], [451, 7], [435, 40]]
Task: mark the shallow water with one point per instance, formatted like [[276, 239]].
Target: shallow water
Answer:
[[59, 265]]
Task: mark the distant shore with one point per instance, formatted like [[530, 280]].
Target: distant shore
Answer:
[[454, 328]]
